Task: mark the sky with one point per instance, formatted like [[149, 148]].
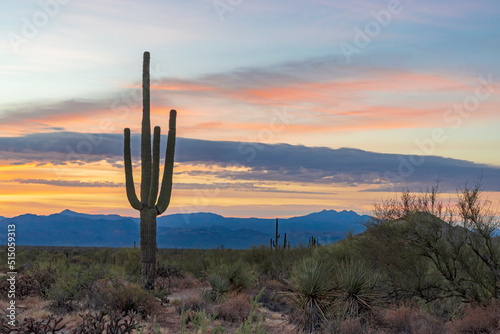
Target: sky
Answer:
[[284, 107]]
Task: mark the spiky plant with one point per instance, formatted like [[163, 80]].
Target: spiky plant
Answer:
[[355, 290], [312, 286], [148, 205], [220, 287]]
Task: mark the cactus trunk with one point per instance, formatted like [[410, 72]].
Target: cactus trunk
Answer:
[[277, 236], [148, 206], [148, 248], [274, 243]]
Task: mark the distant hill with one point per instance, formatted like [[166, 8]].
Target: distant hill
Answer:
[[193, 230]]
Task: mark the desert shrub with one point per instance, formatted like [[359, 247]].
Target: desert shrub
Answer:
[[239, 274], [445, 309], [101, 255], [64, 297], [5, 327], [24, 286], [220, 286], [406, 274], [42, 279], [152, 327], [269, 262], [477, 319], [355, 289], [273, 298], [191, 260], [107, 322], [350, 326], [312, 286], [129, 260], [254, 324], [165, 273], [187, 281], [195, 302], [434, 250], [276, 265], [199, 262], [408, 320], [75, 286], [235, 308], [27, 256], [168, 271], [122, 296], [200, 321], [48, 325], [340, 251], [131, 298]]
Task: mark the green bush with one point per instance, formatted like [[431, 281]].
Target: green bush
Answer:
[[124, 297], [42, 278], [129, 260], [235, 308], [240, 274], [220, 286], [254, 324], [76, 285]]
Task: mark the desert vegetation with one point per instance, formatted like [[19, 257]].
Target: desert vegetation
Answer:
[[422, 266]]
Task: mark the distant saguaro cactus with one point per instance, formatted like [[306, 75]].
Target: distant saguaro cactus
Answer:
[[313, 242], [274, 243], [150, 171]]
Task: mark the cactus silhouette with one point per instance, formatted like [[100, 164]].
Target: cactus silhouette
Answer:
[[274, 243], [148, 205], [313, 242]]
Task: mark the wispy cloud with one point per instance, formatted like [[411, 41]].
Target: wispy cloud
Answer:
[[323, 94], [71, 183]]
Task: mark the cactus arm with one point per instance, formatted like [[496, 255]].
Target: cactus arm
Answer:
[[153, 190], [166, 184], [129, 178], [146, 132]]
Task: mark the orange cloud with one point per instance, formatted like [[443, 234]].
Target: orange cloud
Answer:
[[183, 86], [341, 91]]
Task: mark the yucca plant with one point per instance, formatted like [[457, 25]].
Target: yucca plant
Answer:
[[220, 286], [355, 290], [312, 286]]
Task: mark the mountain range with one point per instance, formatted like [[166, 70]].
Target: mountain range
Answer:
[[191, 230]]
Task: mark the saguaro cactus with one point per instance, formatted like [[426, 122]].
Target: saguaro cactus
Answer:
[[274, 243], [313, 242], [148, 206]]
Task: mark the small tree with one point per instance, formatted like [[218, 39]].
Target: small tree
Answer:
[[447, 250], [481, 223]]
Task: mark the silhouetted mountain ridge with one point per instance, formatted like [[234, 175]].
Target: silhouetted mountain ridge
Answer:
[[189, 230]]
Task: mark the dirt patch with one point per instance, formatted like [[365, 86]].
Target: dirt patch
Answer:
[[183, 295]]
